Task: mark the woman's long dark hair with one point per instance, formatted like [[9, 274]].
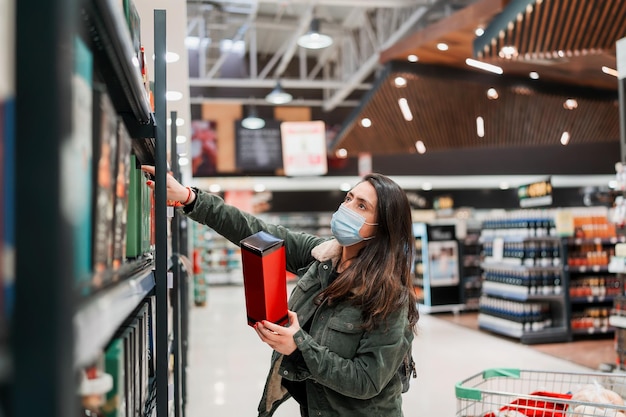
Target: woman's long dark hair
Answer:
[[379, 279]]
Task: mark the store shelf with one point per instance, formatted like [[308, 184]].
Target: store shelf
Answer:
[[118, 66], [515, 292], [113, 38], [100, 316], [512, 329]]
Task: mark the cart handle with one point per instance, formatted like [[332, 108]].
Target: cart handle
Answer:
[[475, 393]]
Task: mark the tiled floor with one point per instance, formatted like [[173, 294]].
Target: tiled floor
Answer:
[[228, 363]]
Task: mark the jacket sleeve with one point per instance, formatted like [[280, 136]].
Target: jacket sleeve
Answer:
[[235, 225], [375, 363]]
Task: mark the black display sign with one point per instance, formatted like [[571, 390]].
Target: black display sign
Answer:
[[258, 149], [536, 194]]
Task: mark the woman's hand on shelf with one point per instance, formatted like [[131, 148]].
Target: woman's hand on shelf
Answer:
[[177, 194]]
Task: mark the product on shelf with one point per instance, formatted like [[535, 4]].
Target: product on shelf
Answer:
[[94, 385], [115, 405], [122, 172], [105, 155], [523, 294], [77, 157]]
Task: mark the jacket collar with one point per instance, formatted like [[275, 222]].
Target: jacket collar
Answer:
[[329, 250]]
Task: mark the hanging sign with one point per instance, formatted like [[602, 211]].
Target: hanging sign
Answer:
[[304, 148], [259, 149]]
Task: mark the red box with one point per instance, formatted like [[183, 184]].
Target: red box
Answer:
[[264, 278]]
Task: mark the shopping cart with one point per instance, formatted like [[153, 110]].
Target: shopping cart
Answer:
[[527, 393]]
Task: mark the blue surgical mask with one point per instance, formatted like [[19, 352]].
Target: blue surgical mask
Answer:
[[346, 224]]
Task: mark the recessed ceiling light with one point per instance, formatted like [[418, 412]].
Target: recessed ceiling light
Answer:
[[483, 66], [565, 138], [534, 75], [479, 31], [404, 108], [442, 46], [492, 94], [365, 122], [181, 139], [259, 188], [412, 58], [183, 161], [341, 153], [421, 148], [215, 188], [610, 71], [570, 104], [508, 52], [480, 127], [427, 186], [400, 82]]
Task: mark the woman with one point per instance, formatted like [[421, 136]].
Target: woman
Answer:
[[353, 312]]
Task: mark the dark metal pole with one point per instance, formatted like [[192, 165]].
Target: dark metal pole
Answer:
[[161, 257], [42, 331], [176, 294]]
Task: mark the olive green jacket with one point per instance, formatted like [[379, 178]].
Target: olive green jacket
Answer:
[[349, 372]]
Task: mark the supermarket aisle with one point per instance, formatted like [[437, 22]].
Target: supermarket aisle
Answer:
[[228, 364]]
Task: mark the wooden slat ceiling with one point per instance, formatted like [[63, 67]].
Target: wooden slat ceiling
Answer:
[[446, 96]]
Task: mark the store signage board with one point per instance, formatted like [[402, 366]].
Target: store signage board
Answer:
[[258, 149], [536, 194], [304, 148]]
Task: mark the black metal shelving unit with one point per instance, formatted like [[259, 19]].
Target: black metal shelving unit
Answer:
[[56, 331]]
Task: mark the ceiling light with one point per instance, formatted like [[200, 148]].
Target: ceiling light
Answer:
[[404, 108], [479, 31], [181, 139], [171, 57], [215, 188], [341, 153], [508, 52], [534, 75], [365, 122], [565, 138], [483, 66], [253, 121], [345, 186], [313, 39], [400, 82], [192, 42], [442, 46], [412, 58], [480, 127], [570, 104], [183, 161], [504, 185], [492, 94], [259, 188], [173, 95], [278, 95], [179, 121], [427, 186], [421, 148], [609, 71]]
